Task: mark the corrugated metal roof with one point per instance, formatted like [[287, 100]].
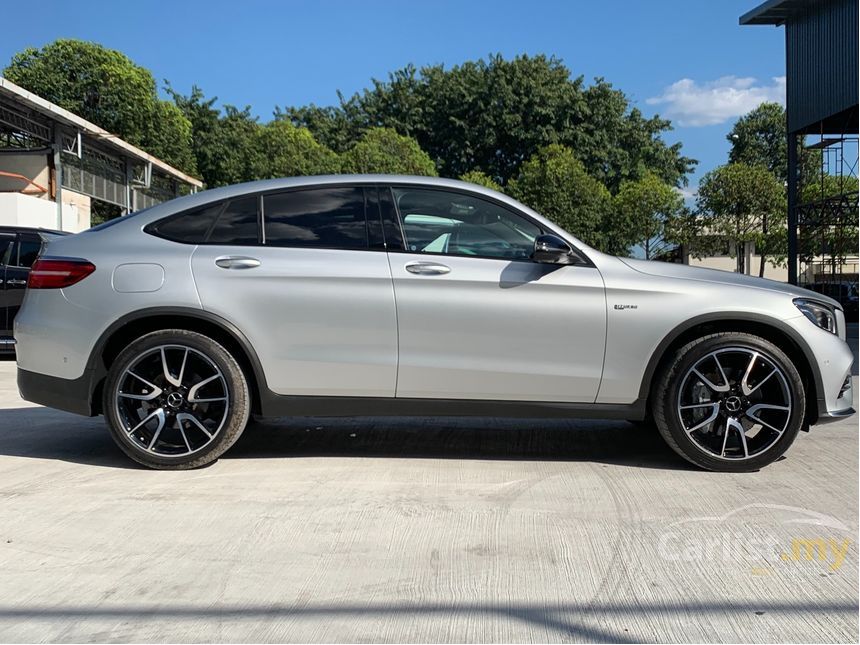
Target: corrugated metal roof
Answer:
[[61, 115]]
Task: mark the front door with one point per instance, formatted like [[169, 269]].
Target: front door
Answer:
[[312, 295], [477, 318]]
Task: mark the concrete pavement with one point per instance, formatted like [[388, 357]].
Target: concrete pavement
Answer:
[[422, 530]]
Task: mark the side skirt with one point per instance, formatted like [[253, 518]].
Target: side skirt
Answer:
[[276, 405]]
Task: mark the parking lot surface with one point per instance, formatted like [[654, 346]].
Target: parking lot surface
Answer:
[[402, 530]]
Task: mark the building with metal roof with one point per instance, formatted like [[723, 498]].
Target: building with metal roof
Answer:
[[53, 164], [821, 53]]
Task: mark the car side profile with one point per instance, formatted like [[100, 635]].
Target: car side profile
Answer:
[[396, 295], [19, 248]]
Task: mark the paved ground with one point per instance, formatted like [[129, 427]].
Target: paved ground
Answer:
[[406, 530]]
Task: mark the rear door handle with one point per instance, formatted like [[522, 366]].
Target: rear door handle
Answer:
[[236, 262], [427, 268]]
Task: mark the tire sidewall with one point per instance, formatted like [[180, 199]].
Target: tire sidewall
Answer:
[[672, 392], [237, 386]]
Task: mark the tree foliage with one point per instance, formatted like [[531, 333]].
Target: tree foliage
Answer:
[[642, 211], [105, 87], [288, 151], [759, 139], [554, 183], [493, 115], [382, 150], [736, 201], [481, 179]]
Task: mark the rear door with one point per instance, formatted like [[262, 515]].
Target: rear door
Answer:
[[311, 289], [23, 254], [7, 243]]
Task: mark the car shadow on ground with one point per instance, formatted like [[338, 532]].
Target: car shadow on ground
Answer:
[[41, 433], [615, 442]]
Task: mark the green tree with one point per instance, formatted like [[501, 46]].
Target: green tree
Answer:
[[641, 212], [382, 150], [329, 125], [477, 177], [735, 201], [225, 145], [288, 151], [554, 183], [759, 139], [105, 87], [493, 115]]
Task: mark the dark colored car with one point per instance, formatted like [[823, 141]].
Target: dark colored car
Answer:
[[845, 293], [19, 248]]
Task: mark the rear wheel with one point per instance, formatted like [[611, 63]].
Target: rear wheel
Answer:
[[175, 399], [729, 402]]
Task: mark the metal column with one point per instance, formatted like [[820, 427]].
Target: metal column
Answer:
[[58, 174], [792, 208]]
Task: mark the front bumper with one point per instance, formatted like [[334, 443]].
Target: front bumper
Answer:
[[842, 406], [71, 395]]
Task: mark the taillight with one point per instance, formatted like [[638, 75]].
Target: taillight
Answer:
[[58, 274]]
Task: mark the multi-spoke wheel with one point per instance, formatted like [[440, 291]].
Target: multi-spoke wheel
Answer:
[[729, 401], [175, 399]]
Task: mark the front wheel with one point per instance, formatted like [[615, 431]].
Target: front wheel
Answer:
[[730, 402], [175, 399]]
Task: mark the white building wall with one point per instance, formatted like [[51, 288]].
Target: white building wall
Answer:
[[25, 210]]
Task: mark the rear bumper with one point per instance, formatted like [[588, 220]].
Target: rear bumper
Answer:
[[71, 395]]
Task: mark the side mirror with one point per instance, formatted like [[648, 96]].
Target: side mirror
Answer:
[[551, 249]]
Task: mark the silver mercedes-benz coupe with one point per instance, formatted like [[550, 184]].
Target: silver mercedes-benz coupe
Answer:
[[393, 295]]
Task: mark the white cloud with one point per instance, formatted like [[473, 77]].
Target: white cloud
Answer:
[[693, 104], [689, 194]]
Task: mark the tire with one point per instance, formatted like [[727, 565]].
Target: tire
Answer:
[[162, 380], [754, 414]]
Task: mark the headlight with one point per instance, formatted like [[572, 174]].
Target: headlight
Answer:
[[819, 313]]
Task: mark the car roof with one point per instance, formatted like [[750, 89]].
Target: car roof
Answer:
[[31, 229]]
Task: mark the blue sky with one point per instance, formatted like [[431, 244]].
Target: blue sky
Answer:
[[685, 59]]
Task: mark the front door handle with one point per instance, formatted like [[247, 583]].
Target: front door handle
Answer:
[[427, 268], [236, 262]]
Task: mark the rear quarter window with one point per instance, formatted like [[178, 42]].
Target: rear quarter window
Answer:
[[234, 222]]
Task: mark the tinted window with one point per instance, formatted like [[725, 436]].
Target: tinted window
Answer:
[[28, 251], [190, 227], [238, 223], [6, 244], [438, 221], [323, 217]]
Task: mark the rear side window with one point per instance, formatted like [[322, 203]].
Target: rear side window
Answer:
[[320, 217], [28, 251], [190, 227], [238, 224], [6, 244], [229, 223]]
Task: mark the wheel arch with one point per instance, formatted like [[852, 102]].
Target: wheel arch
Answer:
[[771, 329], [132, 326]]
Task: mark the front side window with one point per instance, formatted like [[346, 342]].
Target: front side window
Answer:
[[320, 217], [451, 223]]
